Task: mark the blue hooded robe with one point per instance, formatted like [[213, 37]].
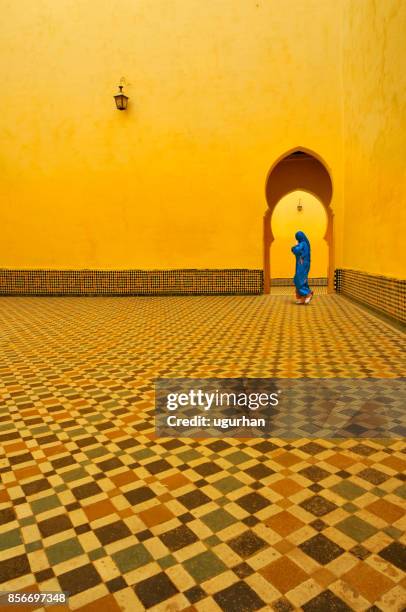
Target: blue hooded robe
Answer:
[[302, 254]]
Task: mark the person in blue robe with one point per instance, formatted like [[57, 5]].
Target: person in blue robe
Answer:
[[301, 279]]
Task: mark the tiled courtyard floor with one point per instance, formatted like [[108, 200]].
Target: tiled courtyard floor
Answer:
[[290, 290], [93, 504]]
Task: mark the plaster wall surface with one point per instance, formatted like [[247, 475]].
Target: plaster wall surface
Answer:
[[374, 99], [218, 91]]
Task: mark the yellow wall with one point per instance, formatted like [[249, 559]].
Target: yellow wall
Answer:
[[374, 74], [286, 221], [218, 91]]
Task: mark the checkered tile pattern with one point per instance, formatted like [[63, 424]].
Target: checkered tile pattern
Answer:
[[320, 281], [290, 289], [130, 282], [383, 294], [92, 503]]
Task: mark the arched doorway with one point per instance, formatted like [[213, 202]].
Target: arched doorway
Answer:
[[298, 210], [298, 169]]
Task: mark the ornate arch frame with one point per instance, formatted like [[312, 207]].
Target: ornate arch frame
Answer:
[[316, 179]]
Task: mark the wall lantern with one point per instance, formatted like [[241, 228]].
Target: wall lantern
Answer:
[[299, 206], [121, 99]]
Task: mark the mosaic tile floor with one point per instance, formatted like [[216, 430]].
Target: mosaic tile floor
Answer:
[[93, 504], [290, 290]]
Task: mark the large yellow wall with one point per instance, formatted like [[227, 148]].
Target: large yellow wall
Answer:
[[374, 104], [218, 91]]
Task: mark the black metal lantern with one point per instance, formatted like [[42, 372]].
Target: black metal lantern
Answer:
[[121, 99]]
